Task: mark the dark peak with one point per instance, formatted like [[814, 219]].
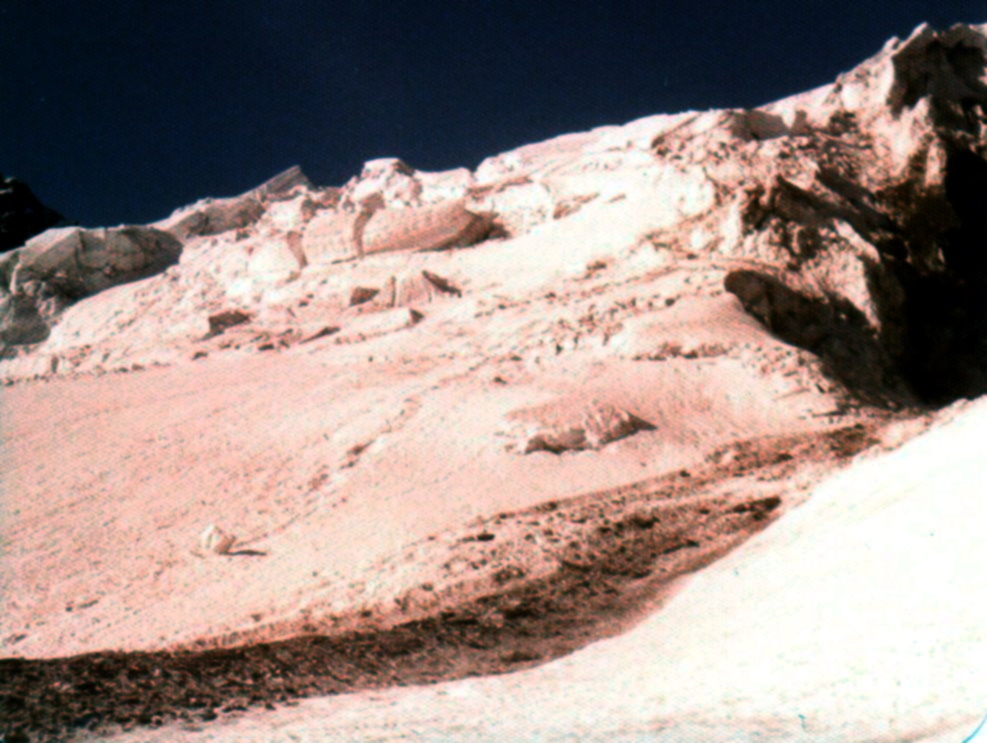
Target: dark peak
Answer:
[[22, 215]]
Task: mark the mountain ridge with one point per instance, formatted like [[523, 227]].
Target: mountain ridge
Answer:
[[558, 397]]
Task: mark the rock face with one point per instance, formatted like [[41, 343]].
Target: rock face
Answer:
[[78, 263], [67, 264], [53, 271], [871, 204], [22, 215], [850, 217]]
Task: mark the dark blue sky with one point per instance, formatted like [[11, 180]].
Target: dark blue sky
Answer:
[[123, 111]]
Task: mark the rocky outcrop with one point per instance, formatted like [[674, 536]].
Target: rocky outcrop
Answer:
[[65, 265], [847, 220], [215, 216], [22, 215], [854, 207], [78, 263]]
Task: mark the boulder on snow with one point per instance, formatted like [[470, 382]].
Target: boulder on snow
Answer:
[[572, 425], [415, 288], [214, 539]]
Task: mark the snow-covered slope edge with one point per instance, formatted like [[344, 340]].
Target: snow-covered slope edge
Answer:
[[858, 617]]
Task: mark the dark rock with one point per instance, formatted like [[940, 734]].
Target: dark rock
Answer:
[[222, 321], [283, 183], [320, 333], [21, 321], [22, 215], [362, 294], [442, 284]]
